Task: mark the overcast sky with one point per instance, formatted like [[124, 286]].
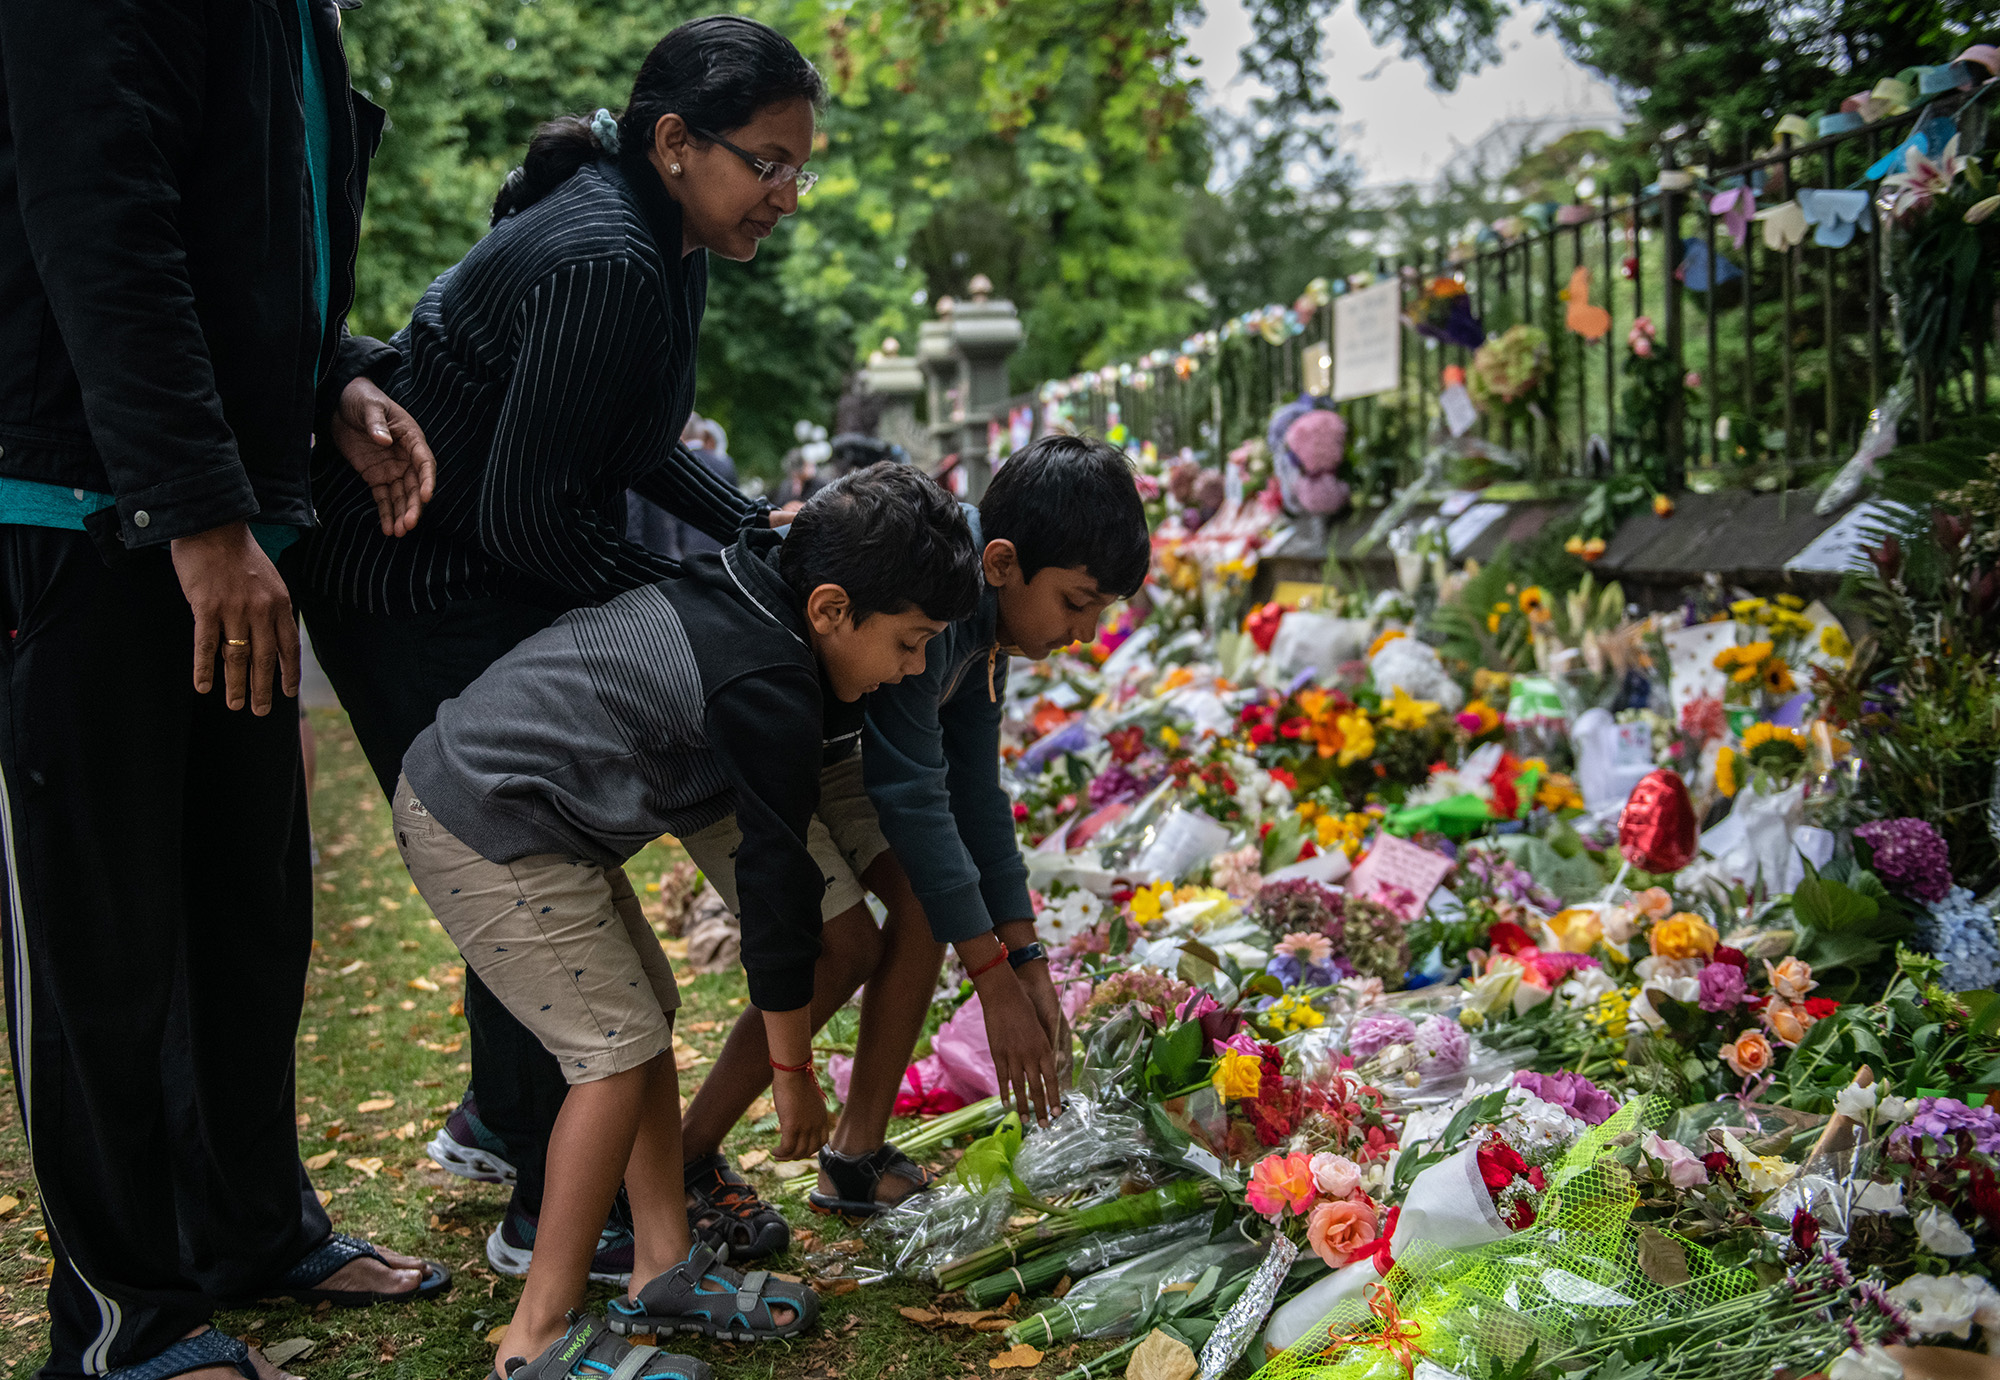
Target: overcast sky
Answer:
[[1394, 123]]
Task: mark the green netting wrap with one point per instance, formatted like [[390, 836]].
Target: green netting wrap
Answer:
[[1580, 1274]]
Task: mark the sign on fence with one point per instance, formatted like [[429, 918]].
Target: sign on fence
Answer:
[[1368, 341]]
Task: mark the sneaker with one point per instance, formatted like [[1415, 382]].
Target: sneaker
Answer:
[[466, 1148], [510, 1247]]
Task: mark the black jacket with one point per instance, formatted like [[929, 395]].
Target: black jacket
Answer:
[[158, 337]]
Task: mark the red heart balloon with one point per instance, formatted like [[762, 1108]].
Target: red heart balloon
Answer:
[[1656, 833]]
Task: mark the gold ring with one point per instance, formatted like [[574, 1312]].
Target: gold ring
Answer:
[[236, 642]]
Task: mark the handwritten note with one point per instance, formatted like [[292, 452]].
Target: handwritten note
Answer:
[[1368, 341], [1399, 875]]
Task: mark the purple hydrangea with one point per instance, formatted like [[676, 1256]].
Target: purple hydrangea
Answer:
[[1113, 784], [1910, 857], [1372, 1034], [1442, 1044], [1572, 1092], [1941, 1117], [1294, 971], [1722, 987]]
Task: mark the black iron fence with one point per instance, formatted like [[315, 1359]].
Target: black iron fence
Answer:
[[1782, 351]]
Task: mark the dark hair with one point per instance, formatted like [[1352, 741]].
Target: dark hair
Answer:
[[715, 73], [891, 537], [1070, 501]]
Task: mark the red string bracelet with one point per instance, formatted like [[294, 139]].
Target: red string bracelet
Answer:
[[806, 1067], [990, 964]]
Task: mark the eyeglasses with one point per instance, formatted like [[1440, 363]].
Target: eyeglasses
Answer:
[[769, 173]]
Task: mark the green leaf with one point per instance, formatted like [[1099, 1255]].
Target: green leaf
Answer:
[[1831, 906], [1175, 1058], [1264, 985]]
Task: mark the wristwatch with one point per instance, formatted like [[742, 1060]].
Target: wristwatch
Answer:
[[1026, 954]]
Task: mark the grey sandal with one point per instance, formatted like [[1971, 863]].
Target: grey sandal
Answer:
[[588, 1352], [702, 1295]]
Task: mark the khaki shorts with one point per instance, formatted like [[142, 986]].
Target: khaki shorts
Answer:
[[844, 838], [561, 942]]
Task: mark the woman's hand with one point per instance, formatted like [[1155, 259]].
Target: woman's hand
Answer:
[[386, 447], [803, 1124]]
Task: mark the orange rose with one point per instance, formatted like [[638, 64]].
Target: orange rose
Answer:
[[1340, 1231], [1577, 929], [1653, 901], [1749, 1054], [1686, 935], [1791, 979], [1789, 1023]]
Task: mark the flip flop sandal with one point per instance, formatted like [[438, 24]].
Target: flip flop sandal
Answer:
[[588, 1352], [701, 1295], [302, 1281], [855, 1179], [211, 1348], [728, 1217]]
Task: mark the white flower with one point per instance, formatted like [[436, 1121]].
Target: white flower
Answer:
[[1895, 1110], [1686, 990], [1489, 993], [1886, 1199], [1066, 917], [1362, 992], [1947, 1303], [1655, 967], [1855, 1101], [1761, 1173], [1937, 1232], [1586, 987], [1533, 1126], [1620, 924], [1871, 1363]]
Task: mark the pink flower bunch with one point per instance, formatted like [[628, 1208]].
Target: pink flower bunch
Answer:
[[1324, 1192]]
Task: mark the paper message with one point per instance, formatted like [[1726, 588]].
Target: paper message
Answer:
[[1466, 528], [1460, 413], [1399, 875], [1691, 654], [1368, 341]]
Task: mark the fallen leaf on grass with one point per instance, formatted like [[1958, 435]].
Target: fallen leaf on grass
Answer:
[[1062, 1287], [791, 1169], [1019, 1357], [983, 1320], [375, 1104], [926, 1316], [493, 1337], [291, 1349], [1161, 1357], [323, 1195], [370, 1166], [405, 1131], [322, 1160], [834, 1288], [8, 1202], [421, 984], [750, 1159]]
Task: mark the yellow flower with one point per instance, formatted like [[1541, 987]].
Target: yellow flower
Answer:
[[1743, 607], [1148, 902], [1357, 736], [1577, 929], [1383, 639], [1833, 641], [1574, 545], [1725, 772], [1791, 601], [1610, 1013], [1490, 685], [1558, 792], [1774, 748], [1489, 719], [1237, 1075], [1169, 739], [1306, 809], [1535, 604], [1778, 677], [1406, 713], [1685, 935], [1287, 1014]]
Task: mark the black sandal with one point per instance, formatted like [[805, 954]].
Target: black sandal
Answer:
[[855, 1179], [702, 1295], [727, 1216], [302, 1281], [588, 1351], [211, 1348]]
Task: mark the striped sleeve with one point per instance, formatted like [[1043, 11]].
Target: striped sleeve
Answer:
[[589, 338], [697, 496]]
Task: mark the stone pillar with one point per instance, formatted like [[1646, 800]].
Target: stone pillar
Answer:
[[986, 334], [938, 359], [899, 381]]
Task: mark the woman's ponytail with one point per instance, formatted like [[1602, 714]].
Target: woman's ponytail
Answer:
[[559, 149]]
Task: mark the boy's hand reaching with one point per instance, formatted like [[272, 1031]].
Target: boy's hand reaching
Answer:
[[803, 1124], [1022, 1055], [1040, 986]]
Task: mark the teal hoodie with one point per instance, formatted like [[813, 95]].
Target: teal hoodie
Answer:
[[931, 758]]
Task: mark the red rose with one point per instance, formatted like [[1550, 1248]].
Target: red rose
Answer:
[[1735, 958], [1805, 1229], [1499, 1163], [1720, 1166], [1020, 810], [1262, 734], [1819, 1008], [1521, 1216]]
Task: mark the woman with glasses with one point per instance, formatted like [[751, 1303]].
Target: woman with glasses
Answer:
[[551, 370]]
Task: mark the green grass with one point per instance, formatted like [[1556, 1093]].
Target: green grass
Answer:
[[382, 1020]]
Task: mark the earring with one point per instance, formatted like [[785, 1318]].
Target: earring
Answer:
[[676, 170]]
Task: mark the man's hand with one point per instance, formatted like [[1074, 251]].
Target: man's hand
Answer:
[[241, 606], [387, 449], [1022, 1055], [803, 1125]]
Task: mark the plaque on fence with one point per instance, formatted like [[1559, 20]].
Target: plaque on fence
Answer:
[[1368, 341]]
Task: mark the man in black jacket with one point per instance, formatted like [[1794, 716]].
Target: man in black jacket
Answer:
[[180, 200]]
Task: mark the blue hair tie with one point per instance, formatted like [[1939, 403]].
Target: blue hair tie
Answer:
[[605, 126]]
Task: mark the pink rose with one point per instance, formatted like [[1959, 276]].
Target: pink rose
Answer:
[[1339, 1232], [1684, 1169], [1336, 1175]]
